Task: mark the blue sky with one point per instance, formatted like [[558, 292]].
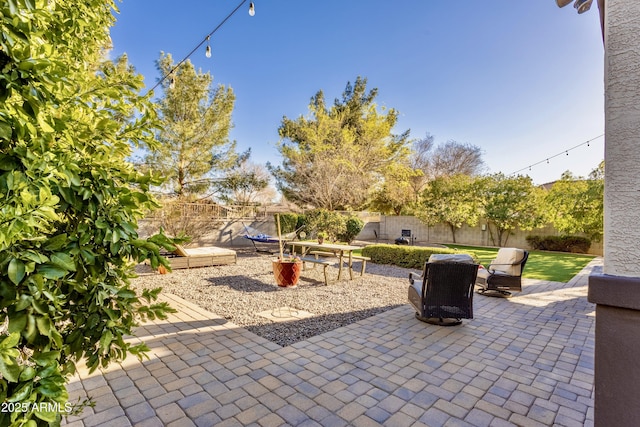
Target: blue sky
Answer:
[[523, 80]]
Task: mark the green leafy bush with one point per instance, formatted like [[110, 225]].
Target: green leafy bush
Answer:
[[404, 256], [353, 227], [288, 222], [333, 223], [574, 244], [336, 226], [70, 203]]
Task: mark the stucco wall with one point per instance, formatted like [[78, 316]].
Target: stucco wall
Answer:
[[622, 136]]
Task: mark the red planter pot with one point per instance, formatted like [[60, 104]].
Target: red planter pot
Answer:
[[287, 274]]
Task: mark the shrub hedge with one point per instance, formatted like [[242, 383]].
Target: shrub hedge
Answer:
[[353, 226], [288, 222], [335, 225], [404, 256], [574, 244]]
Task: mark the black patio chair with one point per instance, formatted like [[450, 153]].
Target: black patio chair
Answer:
[[504, 274], [443, 294]]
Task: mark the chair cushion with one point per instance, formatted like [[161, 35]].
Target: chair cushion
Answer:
[[463, 258], [505, 259], [415, 296], [483, 274], [180, 251]]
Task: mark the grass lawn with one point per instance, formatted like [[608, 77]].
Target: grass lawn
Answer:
[[553, 266]]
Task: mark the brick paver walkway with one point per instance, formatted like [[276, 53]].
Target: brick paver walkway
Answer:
[[525, 361]]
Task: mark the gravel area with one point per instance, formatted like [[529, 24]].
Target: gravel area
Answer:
[[239, 292]]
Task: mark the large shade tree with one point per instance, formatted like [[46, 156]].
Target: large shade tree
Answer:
[[395, 194], [451, 200], [448, 159], [333, 158], [404, 184], [70, 202], [194, 150], [510, 202], [453, 157], [577, 204]]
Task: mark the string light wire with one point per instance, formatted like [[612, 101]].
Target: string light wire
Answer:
[[565, 152], [205, 40]]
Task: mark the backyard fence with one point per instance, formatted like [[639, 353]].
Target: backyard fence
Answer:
[[209, 210], [210, 223]]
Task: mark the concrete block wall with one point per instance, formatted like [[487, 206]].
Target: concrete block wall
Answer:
[[392, 226], [387, 228]]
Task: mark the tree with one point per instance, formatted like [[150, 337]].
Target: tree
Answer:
[[247, 184], [419, 161], [454, 158], [396, 194], [450, 158], [70, 202], [333, 158], [194, 141], [405, 182], [577, 204], [510, 202], [451, 200]]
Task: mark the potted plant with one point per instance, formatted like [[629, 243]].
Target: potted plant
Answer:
[[321, 236], [287, 270]]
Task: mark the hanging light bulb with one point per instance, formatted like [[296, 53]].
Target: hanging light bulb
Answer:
[[582, 5], [207, 52], [172, 82], [252, 9]]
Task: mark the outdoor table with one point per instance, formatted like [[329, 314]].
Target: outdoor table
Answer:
[[340, 251]]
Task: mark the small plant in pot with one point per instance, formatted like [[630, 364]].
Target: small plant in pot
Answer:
[[321, 236]]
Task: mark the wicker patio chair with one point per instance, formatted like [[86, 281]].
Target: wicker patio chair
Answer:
[[504, 274], [443, 294]]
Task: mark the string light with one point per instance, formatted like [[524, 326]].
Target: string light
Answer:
[[252, 9], [205, 40], [580, 5], [207, 52], [566, 152]]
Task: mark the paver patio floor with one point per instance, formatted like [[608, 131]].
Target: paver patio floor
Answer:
[[524, 361]]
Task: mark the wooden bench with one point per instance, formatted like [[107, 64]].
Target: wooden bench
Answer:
[[323, 253], [364, 259], [321, 262]]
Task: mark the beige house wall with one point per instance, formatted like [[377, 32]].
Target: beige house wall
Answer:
[[622, 138], [616, 292]]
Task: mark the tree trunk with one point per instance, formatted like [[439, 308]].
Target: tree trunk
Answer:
[[453, 232]]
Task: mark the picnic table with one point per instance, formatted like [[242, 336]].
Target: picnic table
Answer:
[[344, 253]]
